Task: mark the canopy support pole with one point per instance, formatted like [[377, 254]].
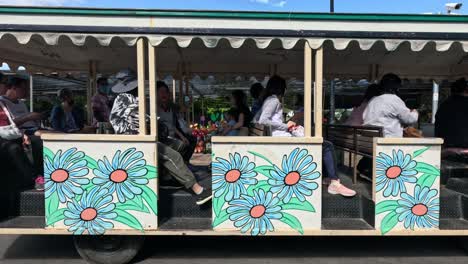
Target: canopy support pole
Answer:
[[91, 89], [141, 85], [31, 96], [152, 69], [435, 100], [174, 90], [318, 103], [308, 90], [181, 89], [332, 102]]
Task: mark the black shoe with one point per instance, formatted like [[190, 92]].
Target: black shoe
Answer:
[[204, 197]]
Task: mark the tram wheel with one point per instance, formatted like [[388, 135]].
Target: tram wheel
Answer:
[[108, 249]]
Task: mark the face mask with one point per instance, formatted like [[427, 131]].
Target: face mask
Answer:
[[105, 89]]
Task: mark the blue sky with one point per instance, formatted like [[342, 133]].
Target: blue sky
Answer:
[[356, 6]]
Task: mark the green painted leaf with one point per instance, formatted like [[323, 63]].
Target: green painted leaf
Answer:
[[427, 180], [218, 203], [261, 156], [221, 218], [295, 204], [127, 219], [92, 164], [55, 217], [293, 222], [52, 204], [260, 185], [425, 168], [152, 172], [48, 153], [419, 152], [389, 222], [386, 206], [151, 199], [135, 204], [264, 170]]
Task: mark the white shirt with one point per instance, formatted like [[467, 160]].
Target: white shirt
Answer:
[[271, 115], [390, 112], [17, 110]]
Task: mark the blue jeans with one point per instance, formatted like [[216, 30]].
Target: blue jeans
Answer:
[[329, 160]]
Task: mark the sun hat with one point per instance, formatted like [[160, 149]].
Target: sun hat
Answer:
[[126, 81]]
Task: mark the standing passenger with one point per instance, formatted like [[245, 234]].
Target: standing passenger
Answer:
[[388, 110]]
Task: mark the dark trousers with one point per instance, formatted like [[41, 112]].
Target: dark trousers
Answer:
[[329, 160]]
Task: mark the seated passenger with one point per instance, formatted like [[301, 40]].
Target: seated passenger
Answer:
[[125, 120], [451, 123], [243, 114], [17, 89], [356, 117], [388, 110], [100, 102], [230, 117], [271, 114], [256, 91], [168, 115], [67, 117], [27, 122]]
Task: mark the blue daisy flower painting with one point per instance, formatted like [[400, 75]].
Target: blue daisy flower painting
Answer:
[[123, 175], [65, 174], [420, 210], [394, 172], [296, 177], [230, 177], [92, 213], [254, 213]]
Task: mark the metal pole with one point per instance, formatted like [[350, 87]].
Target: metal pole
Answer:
[[435, 100], [332, 103], [332, 6], [31, 96]]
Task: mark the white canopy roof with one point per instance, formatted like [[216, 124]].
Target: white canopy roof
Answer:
[[235, 43]]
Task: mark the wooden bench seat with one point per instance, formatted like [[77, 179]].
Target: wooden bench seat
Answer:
[[257, 130], [357, 140]]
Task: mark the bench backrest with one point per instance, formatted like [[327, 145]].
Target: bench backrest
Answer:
[[257, 130], [356, 139]]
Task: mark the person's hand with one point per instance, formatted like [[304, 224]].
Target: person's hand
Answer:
[[291, 124], [26, 140]]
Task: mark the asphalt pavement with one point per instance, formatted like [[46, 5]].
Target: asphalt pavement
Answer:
[[246, 250]]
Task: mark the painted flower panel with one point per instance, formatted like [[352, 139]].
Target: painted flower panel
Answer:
[[230, 177], [393, 173], [65, 174], [92, 213], [296, 177], [124, 175], [420, 210], [254, 213]]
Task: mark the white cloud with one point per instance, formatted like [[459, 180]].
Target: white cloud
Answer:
[[261, 1], [40, 2], [271, 2], [280, 4]]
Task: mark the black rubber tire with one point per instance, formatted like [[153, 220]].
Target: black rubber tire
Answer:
[[108, 249], [463, 243]]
